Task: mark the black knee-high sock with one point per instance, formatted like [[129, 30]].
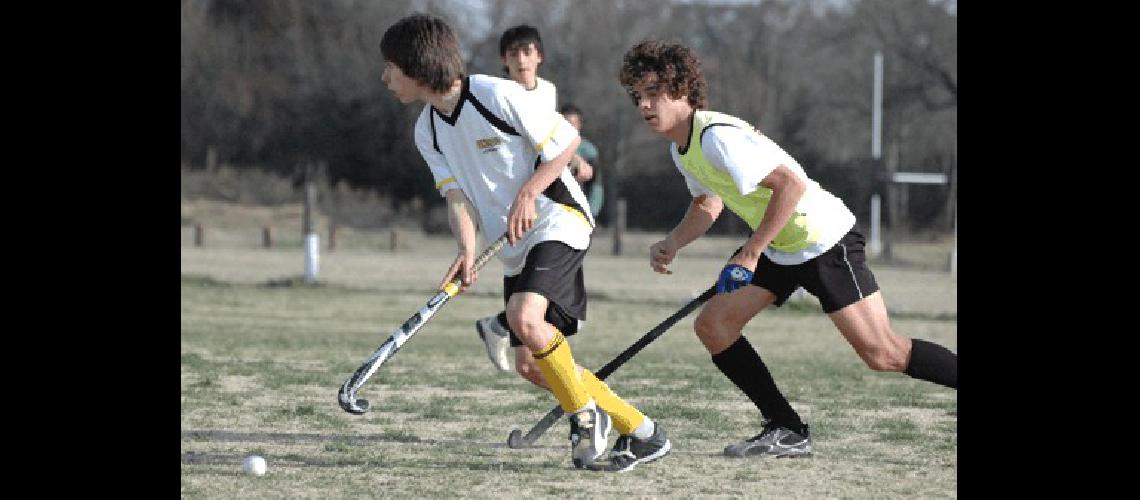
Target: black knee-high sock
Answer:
[[743, 366], [930, 361]]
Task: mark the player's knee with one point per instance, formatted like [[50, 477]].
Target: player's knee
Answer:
[[715, 334], [524, 325], [710, 326], [525, 370], [706, 326], [530, 372], [884, 358]]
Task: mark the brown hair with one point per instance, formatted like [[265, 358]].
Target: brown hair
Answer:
[[425, 48], [676, 67], [517, 37]]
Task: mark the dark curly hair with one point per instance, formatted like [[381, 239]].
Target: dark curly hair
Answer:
[[425, 48], [676, 67]]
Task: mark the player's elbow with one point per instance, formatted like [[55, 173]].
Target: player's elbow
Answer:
[[785, 180], [711, 205]]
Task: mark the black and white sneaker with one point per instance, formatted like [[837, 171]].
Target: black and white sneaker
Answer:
[[773, 441], [606, 423], [629, 451], [588, 429], [496, 339]]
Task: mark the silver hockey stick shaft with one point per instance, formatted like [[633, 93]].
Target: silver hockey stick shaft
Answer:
[[346, 396]]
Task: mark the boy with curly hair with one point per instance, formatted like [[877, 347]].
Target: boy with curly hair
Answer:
[[803, 236]]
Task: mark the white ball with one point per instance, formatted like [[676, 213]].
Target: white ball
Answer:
[[254, 464]]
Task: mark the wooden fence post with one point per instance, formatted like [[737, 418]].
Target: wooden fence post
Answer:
[[619, 225]]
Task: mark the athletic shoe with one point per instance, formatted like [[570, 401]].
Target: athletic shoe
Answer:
[[773, 441], [587, 436], [607, 425], [497, 340], [629, 451]]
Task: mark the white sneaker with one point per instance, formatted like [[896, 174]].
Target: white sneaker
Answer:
[[587, 436], [496, 339], [607, 425]]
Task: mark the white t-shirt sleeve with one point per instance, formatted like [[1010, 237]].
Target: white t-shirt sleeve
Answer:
[[746, 158], [540, 124], [440, 170], [695, 188]]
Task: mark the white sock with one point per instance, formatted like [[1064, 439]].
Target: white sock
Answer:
[[591, 405], [645, 430]]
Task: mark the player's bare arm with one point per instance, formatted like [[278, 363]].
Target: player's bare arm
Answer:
[[699, 217], [461, 217], [787, 189], [523, 213]]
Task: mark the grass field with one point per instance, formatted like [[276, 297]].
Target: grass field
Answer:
[[260, 367]]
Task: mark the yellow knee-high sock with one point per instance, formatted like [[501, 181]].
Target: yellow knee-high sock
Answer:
[[557, 364], [626, 418]]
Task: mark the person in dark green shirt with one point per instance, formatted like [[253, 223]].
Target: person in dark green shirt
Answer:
[[585, 165]]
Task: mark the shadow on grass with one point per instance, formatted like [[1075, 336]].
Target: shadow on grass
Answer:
[[302, 437], [299, 460], [285, 460], [295, 460], [292, 438]]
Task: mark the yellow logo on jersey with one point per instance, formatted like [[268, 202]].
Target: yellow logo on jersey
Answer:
[[486, 144]]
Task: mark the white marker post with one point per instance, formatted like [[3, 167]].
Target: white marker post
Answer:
[[312, 239], [876, 244]]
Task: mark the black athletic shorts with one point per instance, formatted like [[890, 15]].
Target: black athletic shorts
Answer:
[[553, 270], [839, 277]]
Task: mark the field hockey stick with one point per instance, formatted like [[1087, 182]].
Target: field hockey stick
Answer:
[[347, 394], [518, 440]]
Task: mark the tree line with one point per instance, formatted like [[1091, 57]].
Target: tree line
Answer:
[[279, 85]]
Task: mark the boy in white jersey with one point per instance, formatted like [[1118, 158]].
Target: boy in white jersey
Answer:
[[500, 161], [802, 236], [520, 51]]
